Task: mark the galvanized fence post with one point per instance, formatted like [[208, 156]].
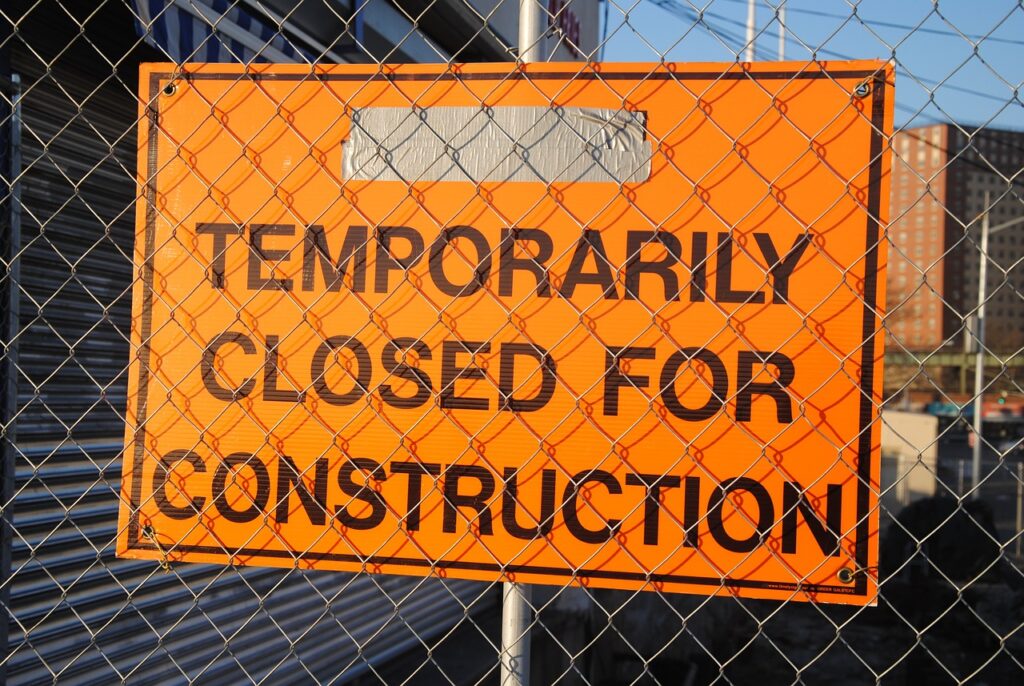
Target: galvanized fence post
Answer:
[[9, 400], [516, 612]]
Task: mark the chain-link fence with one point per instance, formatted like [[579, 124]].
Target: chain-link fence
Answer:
[[272, 180]]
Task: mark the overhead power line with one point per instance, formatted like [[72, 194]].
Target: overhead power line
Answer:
[[701, 19], [899, 70], [681, 11], [894, 25]]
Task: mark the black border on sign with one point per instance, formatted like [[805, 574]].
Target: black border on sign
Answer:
[[867, 405]]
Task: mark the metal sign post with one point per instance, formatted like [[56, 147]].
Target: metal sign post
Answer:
[[531, 31], [516, 617], [516, 613]]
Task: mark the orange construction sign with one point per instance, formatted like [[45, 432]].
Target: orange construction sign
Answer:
[[615, 325]]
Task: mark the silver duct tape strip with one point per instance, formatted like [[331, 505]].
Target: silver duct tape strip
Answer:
[[497, 144]]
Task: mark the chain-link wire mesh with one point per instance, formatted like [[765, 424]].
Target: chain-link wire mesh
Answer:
[[950, 603]]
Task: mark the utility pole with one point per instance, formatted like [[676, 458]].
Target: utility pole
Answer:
[[751, 18], [782, 30], [979, 357], [979, 337], [968, 332]]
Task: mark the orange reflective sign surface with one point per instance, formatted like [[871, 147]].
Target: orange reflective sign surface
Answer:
[[666, 382]]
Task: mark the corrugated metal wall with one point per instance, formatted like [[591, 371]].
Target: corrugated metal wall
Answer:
[[76, 611]]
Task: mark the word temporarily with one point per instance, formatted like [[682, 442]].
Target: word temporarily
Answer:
[[590, 265]]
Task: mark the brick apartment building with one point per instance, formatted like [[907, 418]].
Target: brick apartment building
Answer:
[[940, 175]]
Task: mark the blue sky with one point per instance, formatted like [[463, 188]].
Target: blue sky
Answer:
[[967, 87]]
